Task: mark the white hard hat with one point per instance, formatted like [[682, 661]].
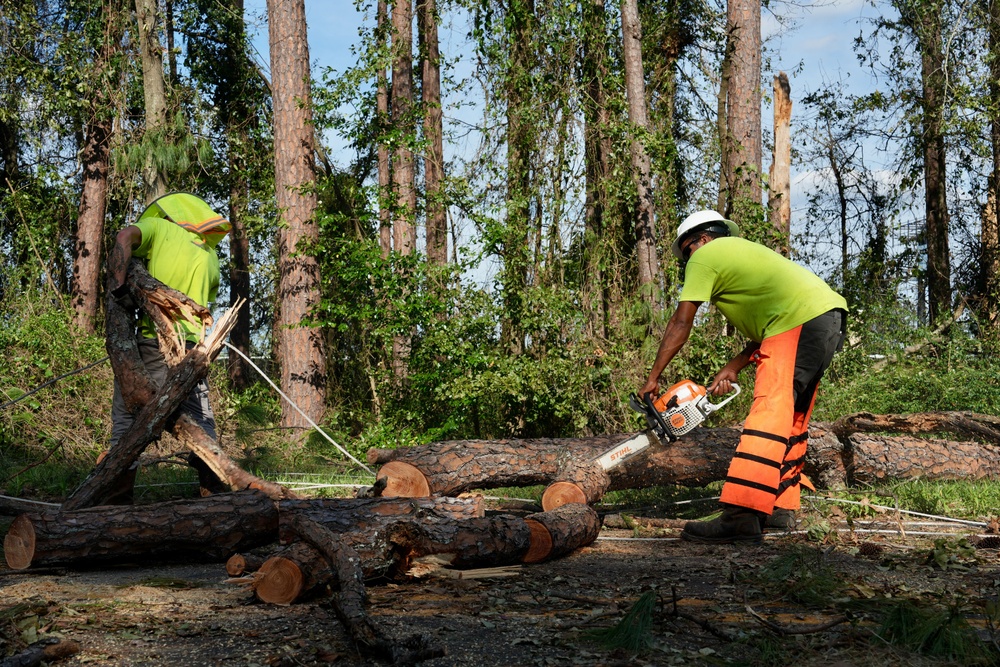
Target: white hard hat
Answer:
[[700, 220]]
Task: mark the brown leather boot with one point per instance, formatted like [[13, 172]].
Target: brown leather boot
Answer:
[[780, 519], [737, 524]]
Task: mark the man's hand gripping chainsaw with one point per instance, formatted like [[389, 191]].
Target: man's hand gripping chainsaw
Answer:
[[676, 412]]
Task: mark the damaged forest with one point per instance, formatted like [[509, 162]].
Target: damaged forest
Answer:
[[379, 404]]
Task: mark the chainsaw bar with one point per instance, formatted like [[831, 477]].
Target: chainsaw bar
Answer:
[[626, 449]]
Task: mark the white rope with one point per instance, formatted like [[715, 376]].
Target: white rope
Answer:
[[304, 415], [978, 524]]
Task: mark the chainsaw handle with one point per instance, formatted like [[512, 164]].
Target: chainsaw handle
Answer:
[[712, 407], [651, 409]]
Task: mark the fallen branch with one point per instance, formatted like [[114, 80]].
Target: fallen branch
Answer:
[[787, 630]]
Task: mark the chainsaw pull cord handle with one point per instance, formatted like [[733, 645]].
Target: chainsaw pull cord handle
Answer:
[[648, 399]]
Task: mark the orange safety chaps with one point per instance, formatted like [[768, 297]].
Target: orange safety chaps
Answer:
[[766, 471]]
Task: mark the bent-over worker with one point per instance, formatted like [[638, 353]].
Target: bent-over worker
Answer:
[[795, 323]]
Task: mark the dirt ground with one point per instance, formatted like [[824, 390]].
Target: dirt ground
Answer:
[[743, 605]]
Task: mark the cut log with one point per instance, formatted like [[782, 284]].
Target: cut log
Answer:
[[240, 564], [10, 506], [580, 481], [561, 531], [965, 424], [205, 529], [700, 457], [367, 515], [457, 466], [44, 651]]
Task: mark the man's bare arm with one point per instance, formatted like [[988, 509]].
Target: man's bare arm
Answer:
[[127, 240]]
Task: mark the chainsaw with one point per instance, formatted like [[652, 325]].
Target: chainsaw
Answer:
[[676, 412]]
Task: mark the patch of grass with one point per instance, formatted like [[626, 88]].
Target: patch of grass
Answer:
[[959, 499]]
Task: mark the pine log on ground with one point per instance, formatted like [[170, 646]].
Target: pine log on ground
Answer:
[[239, 564], [561, 531], [297, 572], [367, 515], [698, 458], [349, 599], [204, 529], [966, 424], [10, 506], [453, 467], [44, 651]]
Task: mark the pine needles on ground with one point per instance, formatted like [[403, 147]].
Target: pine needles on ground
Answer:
[[632, 633]]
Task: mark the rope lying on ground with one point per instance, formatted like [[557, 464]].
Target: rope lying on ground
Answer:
[[53, 380]]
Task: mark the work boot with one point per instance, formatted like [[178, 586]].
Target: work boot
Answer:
[[737, 524], [780, 520]]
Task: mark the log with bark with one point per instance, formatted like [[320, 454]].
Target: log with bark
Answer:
[[698, 458], [297, 572], [43, 651], [155, 408], [203, 529]]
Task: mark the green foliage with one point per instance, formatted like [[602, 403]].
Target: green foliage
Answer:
[[633, 632], [800, 574], [932, 630]]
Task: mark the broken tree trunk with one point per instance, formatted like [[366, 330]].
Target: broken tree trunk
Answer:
[[45, 651], [156, 407], [349, 599], [698, 458], [202, 529]]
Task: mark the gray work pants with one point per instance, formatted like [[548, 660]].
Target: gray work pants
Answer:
[[195, 404]]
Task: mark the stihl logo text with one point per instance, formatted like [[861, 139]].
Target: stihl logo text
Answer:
[[620, 453]]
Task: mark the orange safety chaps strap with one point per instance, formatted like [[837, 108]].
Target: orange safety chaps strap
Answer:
[[755, 472]]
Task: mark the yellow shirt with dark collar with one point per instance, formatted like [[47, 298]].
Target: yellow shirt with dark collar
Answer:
[[179, 259], [759, 291]]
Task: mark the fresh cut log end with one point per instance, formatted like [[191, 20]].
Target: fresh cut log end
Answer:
[[19, 544], [403, 480], [558, 494], [278, 581], [541, 542]]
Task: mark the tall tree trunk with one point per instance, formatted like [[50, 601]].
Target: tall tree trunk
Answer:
[[989, 263], [744, 165], [404, 212], [238, 120], [154, 94], [300, 347], [436, 214], [780, 199], [935, 162], [520, 152], [95, 157], [724, 202], [382, 110], [635, 89], [597, 148]]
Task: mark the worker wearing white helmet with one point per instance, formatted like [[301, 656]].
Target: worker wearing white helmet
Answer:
[[795, 323]]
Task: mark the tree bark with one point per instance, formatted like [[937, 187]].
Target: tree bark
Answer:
[[635, 90], [203, 529], [46, 651], [780, 200], [403, 180], [743, 107], [701, 457], [154, 93], [300, 347], [87, 251], [989, 263], [382, 109], [430, 90], [597, 149]]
